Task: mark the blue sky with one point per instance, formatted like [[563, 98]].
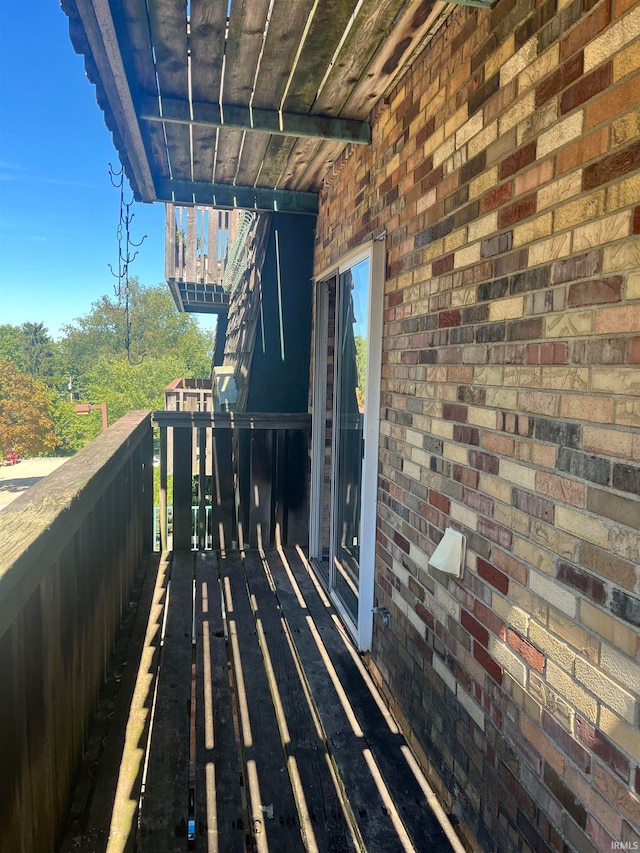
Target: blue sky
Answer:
[[58, 210]]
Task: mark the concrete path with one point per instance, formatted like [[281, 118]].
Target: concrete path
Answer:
[[16, 479]]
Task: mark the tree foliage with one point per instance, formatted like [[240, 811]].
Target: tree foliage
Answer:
[[91, 362], [26, 424]]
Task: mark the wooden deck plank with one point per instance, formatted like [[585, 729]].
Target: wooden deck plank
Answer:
[[114, 806], [262, 449], [273, 166], [288, 21], [346, 736], [375, 19], [247, 23], [385, 744], [182, 489], [268, 788], [165, 806], [223, 530], [221, 820], [320, 803], [229, 152], [208, 22], [325, 31]]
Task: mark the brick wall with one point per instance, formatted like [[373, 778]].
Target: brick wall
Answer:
[[505, 170]]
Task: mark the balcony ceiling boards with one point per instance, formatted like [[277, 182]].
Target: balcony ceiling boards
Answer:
[[243, 103]]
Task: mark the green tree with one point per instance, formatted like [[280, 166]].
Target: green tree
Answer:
[[361, 367], [93, 357], [11, 343], [26, 424], [72, 432], [125, 387], [37, 351], [156, 329]]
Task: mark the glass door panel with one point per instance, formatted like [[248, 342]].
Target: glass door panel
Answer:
[[352, 314]]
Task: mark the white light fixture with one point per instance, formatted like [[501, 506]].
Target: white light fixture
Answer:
[[449, 554]]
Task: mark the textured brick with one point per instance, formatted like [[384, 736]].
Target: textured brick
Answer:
[[586, 30], [493, 576], [582, 210], [608, 566], [579, 266], [566, 797], [487, 662], [626, 606], [612, 40], [478, 631], [520, 209], [561, 488], [446, 319], [566, 686], [595, 409], [540, 174], [583, 526], [595, 292], [585, 149], [558, 432], [602, 747], [614, 166], [610, 628], [626, 478], [607, 230], [587, 87], [533, 505], [586, 467], [582, 581], [551, 408], [560, 79], [534, 229], [623, 193], [532, 656], [612, 103], [517, 161], [611, 788], [617, 320], [560, 134], [489, 619], [619, 509], [495, 198]]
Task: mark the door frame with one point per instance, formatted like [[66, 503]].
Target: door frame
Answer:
[[374, 251]]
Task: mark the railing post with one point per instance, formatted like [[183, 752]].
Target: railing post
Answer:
[[182, 486], [202, 490], [146, 511], [162, 503]]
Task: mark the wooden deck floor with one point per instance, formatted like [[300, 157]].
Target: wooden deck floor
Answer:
[[250, 724]]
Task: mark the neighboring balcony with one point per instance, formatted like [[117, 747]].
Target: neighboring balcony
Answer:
[[201, 698]]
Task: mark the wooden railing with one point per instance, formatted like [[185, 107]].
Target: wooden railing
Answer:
[[251, 469], [71, 547]]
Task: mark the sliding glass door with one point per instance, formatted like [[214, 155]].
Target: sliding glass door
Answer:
[[352, 314], [348, 325]]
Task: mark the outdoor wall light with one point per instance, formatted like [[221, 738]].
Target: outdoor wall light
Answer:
[[386, 616], [449, 554]]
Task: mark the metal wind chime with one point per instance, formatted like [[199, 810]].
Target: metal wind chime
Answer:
[[123, 289]]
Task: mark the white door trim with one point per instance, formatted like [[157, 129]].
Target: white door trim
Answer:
[[374, 251]]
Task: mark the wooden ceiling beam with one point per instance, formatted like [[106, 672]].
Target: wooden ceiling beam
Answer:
[[239, 197], [233, 117]]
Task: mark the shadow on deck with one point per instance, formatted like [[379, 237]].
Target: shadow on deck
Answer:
[[245, 720]]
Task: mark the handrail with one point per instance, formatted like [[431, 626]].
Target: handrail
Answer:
[[231, 420], [252, 470], [39, 523], [71, 548]]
